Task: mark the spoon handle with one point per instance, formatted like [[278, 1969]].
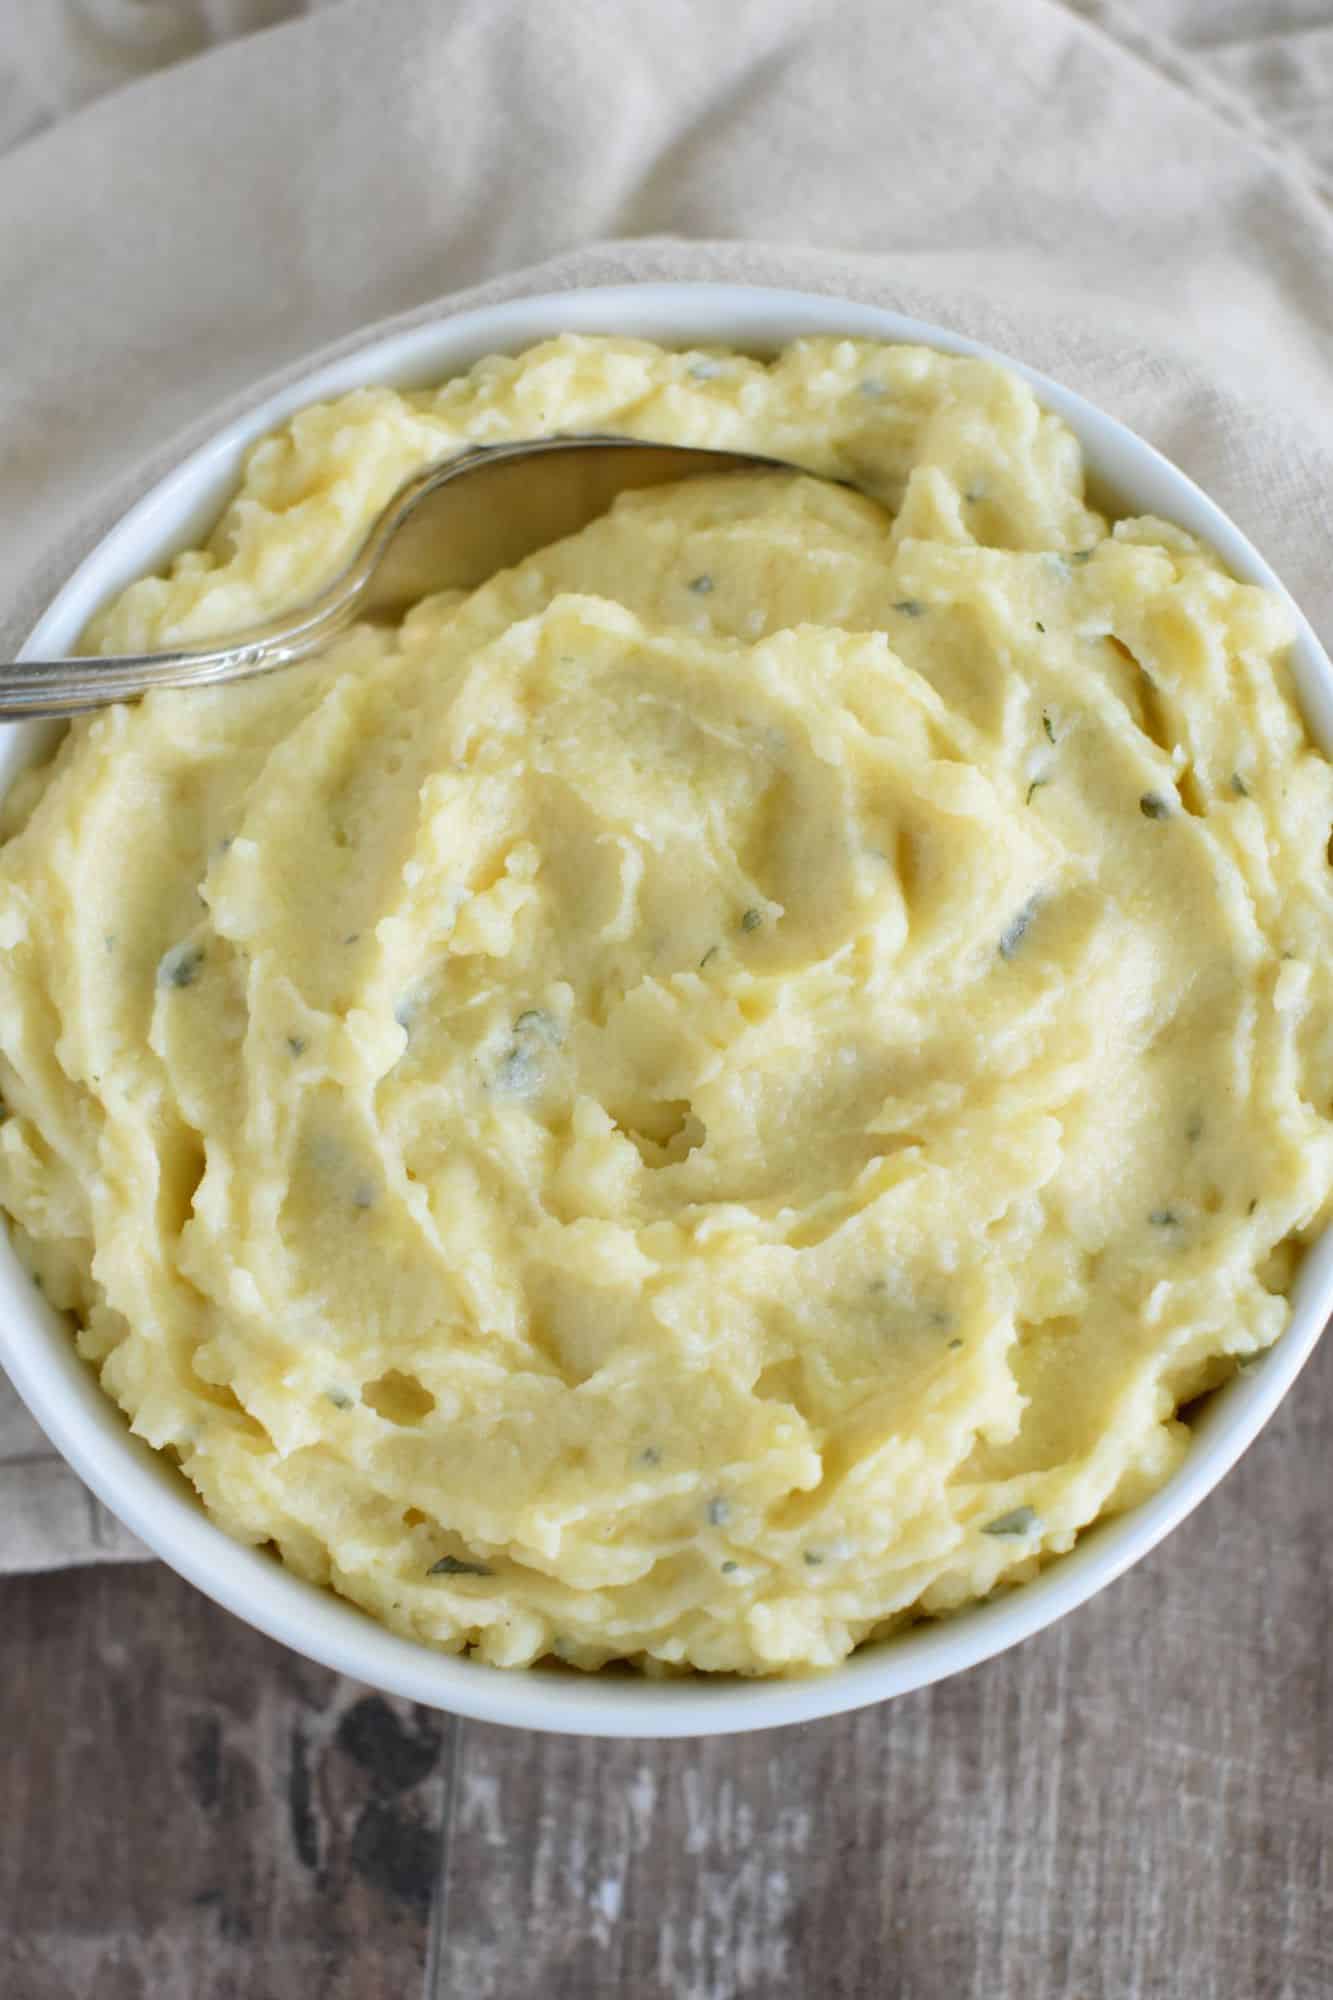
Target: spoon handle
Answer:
[[33, 688]]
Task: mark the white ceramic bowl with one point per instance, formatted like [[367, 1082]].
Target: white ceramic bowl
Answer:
[[156, 1502]]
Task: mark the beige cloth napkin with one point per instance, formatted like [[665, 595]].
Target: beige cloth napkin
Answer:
[[1072, 182]]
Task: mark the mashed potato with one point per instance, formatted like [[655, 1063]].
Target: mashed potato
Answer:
[[719, 1092]]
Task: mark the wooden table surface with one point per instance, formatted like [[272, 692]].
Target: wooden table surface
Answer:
[[1136, 1804]]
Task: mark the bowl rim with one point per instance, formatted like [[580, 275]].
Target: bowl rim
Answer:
[[137, 1485]]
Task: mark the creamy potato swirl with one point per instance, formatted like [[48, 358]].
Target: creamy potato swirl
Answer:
[[719, 1092]]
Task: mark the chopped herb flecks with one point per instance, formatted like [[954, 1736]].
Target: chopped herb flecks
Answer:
[[1153, 806], [911, 607], [518, 1073], [711, 953], [812, 1557], [701, 585], [729, 1567], [1019, 1521], [180, 966], [1164, 1218], [520, 1070], [1040, 627], [296, 1043], [339, 1399], [1035, 786], [1239, 786], [955, 1343], [752, 920], [1081, 556], [1017, 929], [455, 1566], [533, 1021], [650, 1455]]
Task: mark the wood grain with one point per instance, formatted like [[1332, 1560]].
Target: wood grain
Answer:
[[192, 1813], [1135, 1806]]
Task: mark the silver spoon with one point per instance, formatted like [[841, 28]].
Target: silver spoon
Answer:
[[450, 527]]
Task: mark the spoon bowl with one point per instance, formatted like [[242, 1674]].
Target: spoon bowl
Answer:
[[450, 527]]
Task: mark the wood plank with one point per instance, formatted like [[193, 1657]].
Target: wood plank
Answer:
[[193, 1813], [1137, 1804]]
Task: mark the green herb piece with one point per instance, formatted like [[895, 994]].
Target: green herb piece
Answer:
[[1239, 786], [1017, 929], [1019, 1521], [729, 1568], [1081, 556], [534, 1021], [180, 966], [339, 1399], [752, 920], [1040, 627], [296, 1043], [650, 1455], [454, 1566], [519, 1073], [701, 585], [719, 1512], [1047, 725], [1035, 786], [1164, 1218], [353, 937], [974, 494], [711, 953], [1153, 806], [955, 1343], [812, 1558], [939, 1317], [1253, 1205], [911, 607]]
